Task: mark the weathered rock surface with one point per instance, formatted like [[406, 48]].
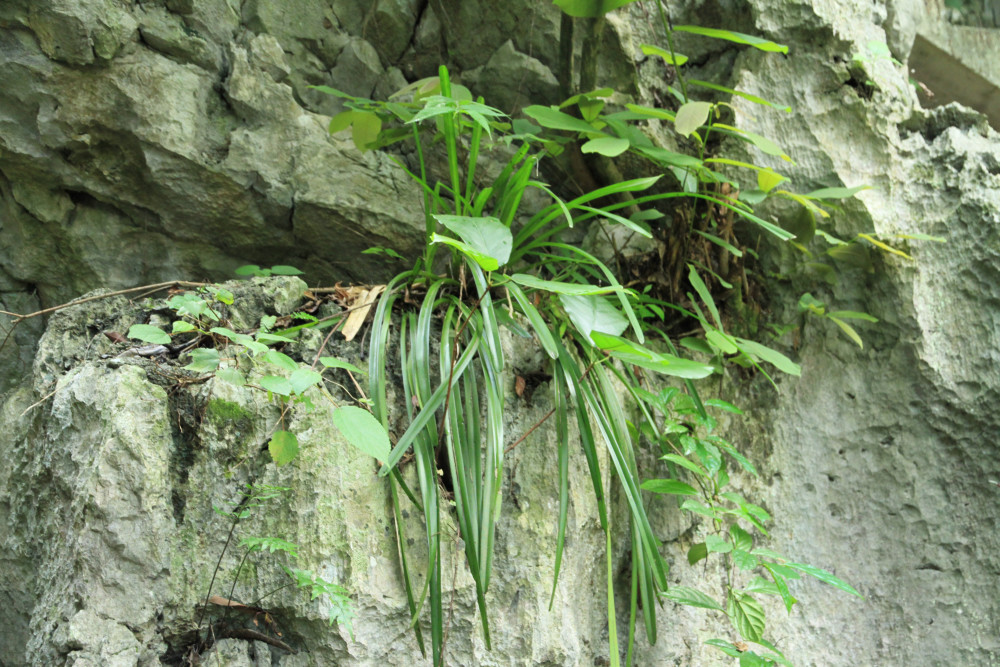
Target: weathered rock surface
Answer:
[[170, 139]]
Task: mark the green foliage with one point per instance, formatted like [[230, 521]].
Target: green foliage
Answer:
[[592, 327]]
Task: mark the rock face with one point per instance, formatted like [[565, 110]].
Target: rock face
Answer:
[[149, 141]]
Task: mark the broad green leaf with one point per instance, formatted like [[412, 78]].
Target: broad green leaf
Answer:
[[484, 260], [837, 193], [248, 270], [589, 8], [669, 486], [241, 339], [747, 615], [281, 360], [762, 586], [691, 116], [692, 597], [364, 131], [486, 235], [768, 179], [284, 447], [332, 362], [593, 313], [557, 120], [725, 647], [274, 338], [277, 385], [149, 334], [741, 538], [633, 353], [716, 544], [722, 405], [224, 296], [825, 577], [203, 360], [737, 37], [744, 560], [697, 552], [340, 122], [303, 378], [676, 59], [285, 270], [698, 508], [232, 376], [607, 146], [363, 431], [721, 342], [773, 357], [571, 289], [684, 463], [180, 326]]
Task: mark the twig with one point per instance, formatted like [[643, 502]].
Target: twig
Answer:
[[155, 287], [254, 636], [39, 402]]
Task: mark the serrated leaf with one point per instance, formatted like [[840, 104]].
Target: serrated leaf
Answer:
[[277, 385], [283, 446], [303, 378], [747, 615], [332, 362], [363, 431], [281, 360], [691, 116], [607, 146], [692, 597], [232, 376], [744, 560], [698, 508], [149, 334], [203, 360], [741, 538], [670, 486], [825, 577], [716, 544]]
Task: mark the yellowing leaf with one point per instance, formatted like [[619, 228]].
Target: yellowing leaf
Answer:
[[875, 242], [284, 447], [691, 116], [768, 179]]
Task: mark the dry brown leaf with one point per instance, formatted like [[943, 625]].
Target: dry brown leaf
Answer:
[[359, 297], [519, 385]]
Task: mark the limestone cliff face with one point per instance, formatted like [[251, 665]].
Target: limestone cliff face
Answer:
[[147, 141]]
